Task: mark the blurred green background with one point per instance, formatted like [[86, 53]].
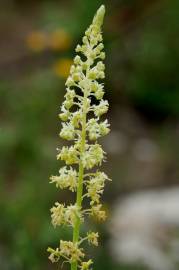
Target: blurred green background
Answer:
[[142, 85]]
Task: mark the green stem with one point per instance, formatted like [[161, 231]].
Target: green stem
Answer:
[[79, 197]]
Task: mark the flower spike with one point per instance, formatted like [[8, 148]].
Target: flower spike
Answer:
[[82, 125]]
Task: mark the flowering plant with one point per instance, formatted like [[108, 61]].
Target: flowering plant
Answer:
[[82, 124]]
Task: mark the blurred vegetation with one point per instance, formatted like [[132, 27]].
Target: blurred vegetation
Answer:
[[38, 40]]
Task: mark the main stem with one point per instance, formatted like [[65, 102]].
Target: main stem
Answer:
[[79, 197]]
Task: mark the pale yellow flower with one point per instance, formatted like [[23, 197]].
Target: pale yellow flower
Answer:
[[67, 178], [93, 238], [86, 265], [71, 250], [57, 214]]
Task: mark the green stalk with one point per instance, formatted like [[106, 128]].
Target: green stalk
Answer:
[[79, 197]]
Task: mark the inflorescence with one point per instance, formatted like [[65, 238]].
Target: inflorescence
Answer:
[[82, 124]]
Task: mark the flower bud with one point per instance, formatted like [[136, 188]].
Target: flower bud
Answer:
[[77, 60], [64, 116], [85, 40], [102, 55], [78, 48], [69, 82], [92, 74]]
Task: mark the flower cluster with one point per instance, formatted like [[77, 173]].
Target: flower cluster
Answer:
[[67, 178], [81, 114], [68, 250], [65, 215], [95, 186], [93, 238]]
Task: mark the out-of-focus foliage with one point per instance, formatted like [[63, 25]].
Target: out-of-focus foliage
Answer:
[[37, 43], [145, 56]]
